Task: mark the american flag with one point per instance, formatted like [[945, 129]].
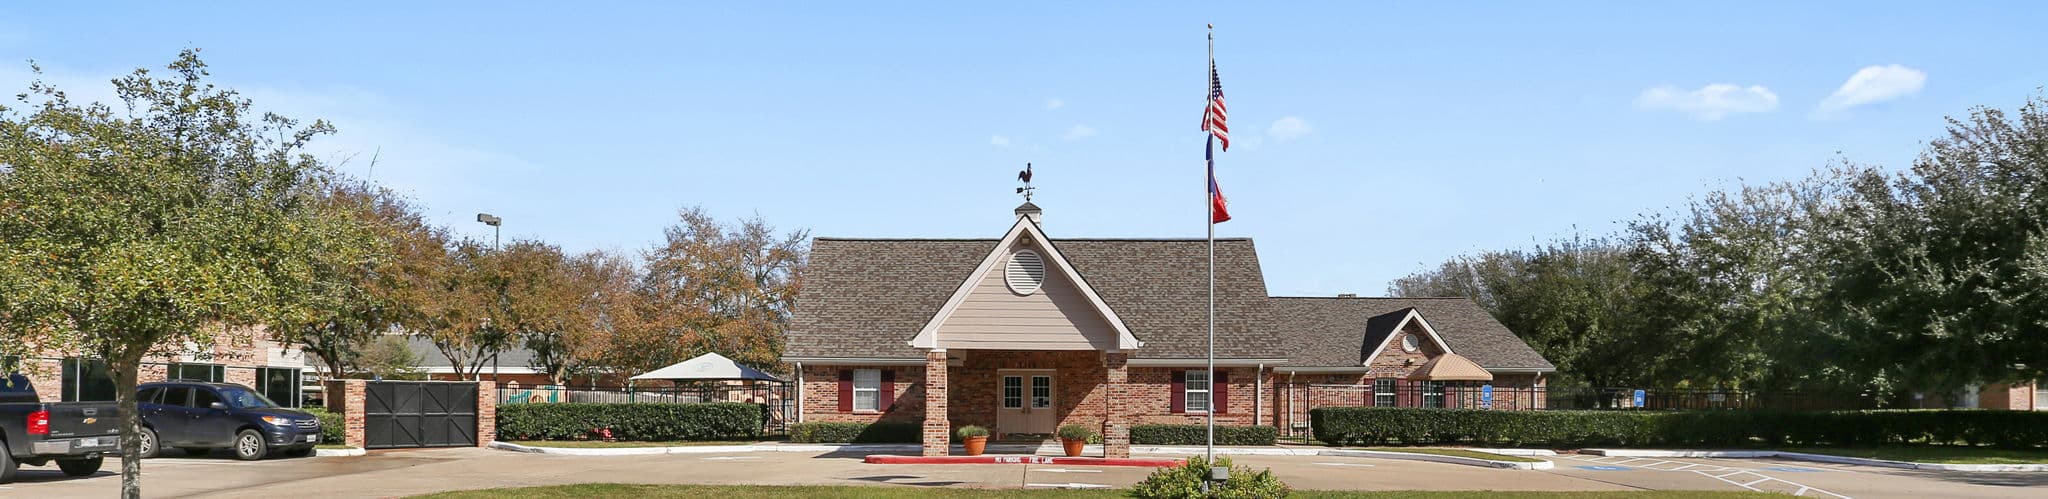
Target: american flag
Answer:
[[1213, 117]]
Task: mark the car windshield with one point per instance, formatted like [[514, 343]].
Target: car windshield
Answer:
[[242, 398]]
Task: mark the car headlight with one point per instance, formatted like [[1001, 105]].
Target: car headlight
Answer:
[[277, 420]]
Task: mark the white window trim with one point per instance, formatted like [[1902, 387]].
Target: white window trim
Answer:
[[1188, 392], [1003, 391], [875, 389], [1393, 397]]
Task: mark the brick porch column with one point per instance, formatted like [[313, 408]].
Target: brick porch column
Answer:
[[938, 431], [486, 413], [353, 393], [1116, 429]]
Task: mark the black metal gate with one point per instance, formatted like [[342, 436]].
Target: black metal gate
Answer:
[[400, 414]]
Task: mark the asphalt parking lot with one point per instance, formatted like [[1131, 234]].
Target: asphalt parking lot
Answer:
[[403, 473]]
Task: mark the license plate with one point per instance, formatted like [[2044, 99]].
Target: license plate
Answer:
[[96, 442], [313, 438]]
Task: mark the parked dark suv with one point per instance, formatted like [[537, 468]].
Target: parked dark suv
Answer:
[[199, 417]]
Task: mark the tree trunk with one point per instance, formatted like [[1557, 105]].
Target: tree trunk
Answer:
[[125, 371]]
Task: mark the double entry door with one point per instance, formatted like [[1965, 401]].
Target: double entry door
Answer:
[[1025, 402]]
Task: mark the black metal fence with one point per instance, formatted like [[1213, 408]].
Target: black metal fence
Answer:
[[1295, 400], [778, 397]]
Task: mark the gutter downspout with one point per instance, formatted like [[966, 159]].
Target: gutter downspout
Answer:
[[799, 392], [1291, 405], [1259, 401]]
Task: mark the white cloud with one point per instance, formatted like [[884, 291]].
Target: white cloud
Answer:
[[1078, 132], [1873, 84], [1711, 102], [1054, 103], [1289, 128], [999, 141]]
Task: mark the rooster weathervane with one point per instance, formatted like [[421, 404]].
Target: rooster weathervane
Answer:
[[1025, 177]]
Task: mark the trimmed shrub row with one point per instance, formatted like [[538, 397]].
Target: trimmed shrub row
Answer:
[[1194, 434], [331, 429], [856, 433], [1411, 426], [631, 422]]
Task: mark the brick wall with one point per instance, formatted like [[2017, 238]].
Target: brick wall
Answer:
[[240, 353], [821, 396], [486, 413], [2007, 396]]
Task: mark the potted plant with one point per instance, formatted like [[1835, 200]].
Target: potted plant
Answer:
[[975, 437], [1074, 437]]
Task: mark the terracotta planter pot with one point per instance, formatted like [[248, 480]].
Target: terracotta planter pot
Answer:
[[1073, 446], [976, 444]]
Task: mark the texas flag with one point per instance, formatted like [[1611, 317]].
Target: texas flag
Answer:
[[1219, 209]]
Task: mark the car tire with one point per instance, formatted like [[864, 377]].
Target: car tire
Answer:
[[150, 446], [80, 467], [249, 445], [298, 452], [7, 465]]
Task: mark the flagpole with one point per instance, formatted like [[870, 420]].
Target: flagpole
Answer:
[[1209, 200]]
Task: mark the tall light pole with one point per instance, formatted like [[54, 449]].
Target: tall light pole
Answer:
[[496, 227]]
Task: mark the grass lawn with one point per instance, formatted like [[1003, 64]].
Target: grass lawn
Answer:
[[765, 492], [1951, 454], [600, 444], [1453, 452]]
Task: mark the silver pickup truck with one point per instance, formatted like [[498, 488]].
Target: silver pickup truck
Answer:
[[75, 435]]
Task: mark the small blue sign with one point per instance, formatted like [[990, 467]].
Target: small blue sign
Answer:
[[1789, 469], [1486, 396], [1605, 468], [1639, 398]]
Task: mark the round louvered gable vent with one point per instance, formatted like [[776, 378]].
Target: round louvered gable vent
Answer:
[[1025, 272]]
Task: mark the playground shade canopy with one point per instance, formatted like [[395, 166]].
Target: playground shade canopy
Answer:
[[707, 367]]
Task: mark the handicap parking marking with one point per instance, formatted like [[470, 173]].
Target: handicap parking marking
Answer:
[[1605, 468], [1791, 469]]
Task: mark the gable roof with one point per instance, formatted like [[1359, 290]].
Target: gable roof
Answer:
[[1331, 332], [927, 337], [866, 298], [1381, 329]]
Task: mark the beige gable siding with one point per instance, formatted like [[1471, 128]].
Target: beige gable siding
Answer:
[[1056, 317]]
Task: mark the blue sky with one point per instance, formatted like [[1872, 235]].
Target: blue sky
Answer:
[[1371, 140]]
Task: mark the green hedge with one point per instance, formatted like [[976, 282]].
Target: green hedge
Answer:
[[631, 422], [330, 426], [859, 433], [1410, 426], [1194, 434]]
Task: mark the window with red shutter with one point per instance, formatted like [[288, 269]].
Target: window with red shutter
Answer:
[[1222, 390], [1179, 392], [887, 394], [845, 390]]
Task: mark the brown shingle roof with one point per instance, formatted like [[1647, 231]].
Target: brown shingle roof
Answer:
[[1329, 332], [867, 298]]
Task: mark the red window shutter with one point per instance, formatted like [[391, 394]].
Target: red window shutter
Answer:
[[1404, 393], [845, 390], [888, 392], [1221, 391], [1180, 392]]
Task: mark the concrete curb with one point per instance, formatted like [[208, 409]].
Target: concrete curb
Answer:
[[1819, 458], [1468, 461], [349, 452], [1000, 459], [1517, 452]]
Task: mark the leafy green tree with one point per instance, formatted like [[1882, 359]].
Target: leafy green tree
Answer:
[[353, 296], [175, 215], [715, 287]]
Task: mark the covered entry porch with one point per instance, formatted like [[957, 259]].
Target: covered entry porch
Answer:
[[1024, 393]]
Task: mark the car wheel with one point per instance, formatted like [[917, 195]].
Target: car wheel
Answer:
[[7, 465], [299, 452], [149, 446], [249, 446], [80, 467]]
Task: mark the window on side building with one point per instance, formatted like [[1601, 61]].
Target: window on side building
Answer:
[[867, 386], [279, 384], [1197, 390], [1383, 392], [194, 371], [1433, 394], [87, 380]]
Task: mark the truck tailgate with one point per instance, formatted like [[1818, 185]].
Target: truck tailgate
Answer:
[[84, 419]]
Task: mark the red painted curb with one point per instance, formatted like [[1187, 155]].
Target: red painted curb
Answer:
[[1064, 461]]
